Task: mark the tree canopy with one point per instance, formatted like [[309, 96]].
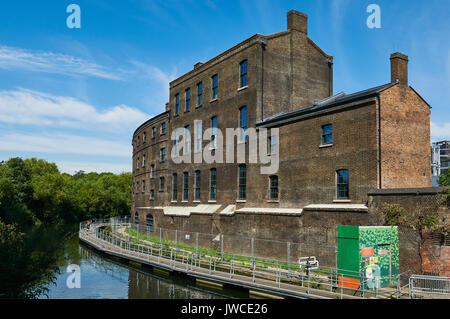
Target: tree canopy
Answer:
[[34, 190]]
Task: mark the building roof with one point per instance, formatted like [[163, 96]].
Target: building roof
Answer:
[[151, 120], [331, 102]]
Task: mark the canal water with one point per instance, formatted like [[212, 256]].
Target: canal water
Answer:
[[102, 276]]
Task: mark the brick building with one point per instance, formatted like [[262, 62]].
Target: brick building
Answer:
[[332, 149]]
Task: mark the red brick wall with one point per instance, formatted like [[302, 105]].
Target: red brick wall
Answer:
[[435, 258]]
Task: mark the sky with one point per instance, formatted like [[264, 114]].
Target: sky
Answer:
[[74, 96]]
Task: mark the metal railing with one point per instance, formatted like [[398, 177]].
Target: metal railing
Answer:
[[428, 286], [322, 281]]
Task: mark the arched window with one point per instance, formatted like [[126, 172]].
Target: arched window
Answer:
[[149, 222]]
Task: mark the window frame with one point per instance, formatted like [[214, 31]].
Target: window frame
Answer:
[[327, 134], [199, 94], [214, 131], [345, 184], [197, 185], [149, 226], [243, 138], [243, 76], [174, 187], [273, 178], [215, 87], [161, 184], [213, 186], [177, 104], [187, 100], [242, 182]]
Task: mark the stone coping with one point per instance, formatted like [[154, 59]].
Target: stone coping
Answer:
[[269, 211], [230, 210], [186, 210], [337, 207], [408, 191]]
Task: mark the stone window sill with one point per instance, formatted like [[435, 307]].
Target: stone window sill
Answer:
[[241, 201], [325, 145], [242, 88], [342, 201], [214, 100]]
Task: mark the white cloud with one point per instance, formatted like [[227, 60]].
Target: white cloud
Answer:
[[29, 107], [99, 167], [63, 144], [157, 75], [16, 58], [440, 132]]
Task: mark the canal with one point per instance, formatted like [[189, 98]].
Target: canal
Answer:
[[102, 276]]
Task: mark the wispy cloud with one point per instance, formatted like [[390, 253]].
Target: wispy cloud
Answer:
[[63, 144], [29, 107], [440, 132], [160, 77], [12, 58]]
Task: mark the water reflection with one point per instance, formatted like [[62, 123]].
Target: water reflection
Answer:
[[103, 276]]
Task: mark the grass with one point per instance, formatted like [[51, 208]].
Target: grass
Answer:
[[225, 257]]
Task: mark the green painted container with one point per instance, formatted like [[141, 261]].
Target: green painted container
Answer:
[[370, 254]]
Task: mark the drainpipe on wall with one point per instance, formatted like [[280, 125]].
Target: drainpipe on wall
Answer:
[[379, 141], [263, 47], [330, 76]]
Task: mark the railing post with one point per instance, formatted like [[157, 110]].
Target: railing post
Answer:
[[196, 242], [254, 268], [252, 246], [288, 244], [210, 261], [411, 288], [221, 246], [176, 238]]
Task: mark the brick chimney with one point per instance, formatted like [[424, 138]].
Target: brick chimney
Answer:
[[399, 68], [297, 21]]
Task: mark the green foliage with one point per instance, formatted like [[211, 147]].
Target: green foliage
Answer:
[[394, 214], [419, 219], [34, 191], [26, 265], [444, 180]]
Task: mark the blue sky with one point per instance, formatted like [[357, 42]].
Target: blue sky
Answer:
[[75, 96]]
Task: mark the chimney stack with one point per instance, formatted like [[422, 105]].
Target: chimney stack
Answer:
[[297, 21], [399, 68]]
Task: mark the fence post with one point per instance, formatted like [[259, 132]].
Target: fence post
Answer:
[[196, 242], [176, 238], [411, 288], [288, 244], [221, 246], [252, 247]]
